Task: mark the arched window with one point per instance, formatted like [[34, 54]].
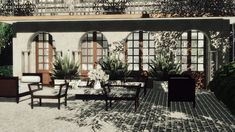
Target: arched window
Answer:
[[94, 46], [44, 55], [139, 50], [191, 51]]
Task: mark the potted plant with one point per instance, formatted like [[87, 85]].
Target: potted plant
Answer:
[[164, 63], [115, 68], [64, 68], [162, 67], [114, 64]]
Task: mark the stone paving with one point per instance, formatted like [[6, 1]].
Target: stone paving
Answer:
[[153, 115]]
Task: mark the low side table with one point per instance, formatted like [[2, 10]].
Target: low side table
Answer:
[[93, 96]]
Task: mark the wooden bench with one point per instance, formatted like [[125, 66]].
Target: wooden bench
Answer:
[[37, 92], [123, 92]]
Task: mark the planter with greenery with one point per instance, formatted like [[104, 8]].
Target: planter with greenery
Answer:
[[223, 85], [114, 64], [162, 67], [6, 71], [164, 63], [65, 68]]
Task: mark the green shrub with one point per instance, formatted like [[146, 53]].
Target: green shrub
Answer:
[[162, 67], [6, 71], [223, 85], [65, 68], [114, 67]]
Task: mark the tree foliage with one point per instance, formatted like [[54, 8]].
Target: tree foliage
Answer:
[[6, 34], [193, 8]]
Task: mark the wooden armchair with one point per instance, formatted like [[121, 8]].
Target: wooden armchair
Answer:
[[37, 92]]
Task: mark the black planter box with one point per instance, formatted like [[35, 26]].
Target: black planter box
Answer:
[[181, 88]]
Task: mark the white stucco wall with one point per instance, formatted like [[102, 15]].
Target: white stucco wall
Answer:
[[66, 42], [115, 36], [19, 45]]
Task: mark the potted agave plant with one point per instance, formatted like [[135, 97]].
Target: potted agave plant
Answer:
[[114, 64], [64, 68], [161, 68], [116, 69], [164, 63]]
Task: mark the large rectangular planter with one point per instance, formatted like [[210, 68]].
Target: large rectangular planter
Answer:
[[181, 88]]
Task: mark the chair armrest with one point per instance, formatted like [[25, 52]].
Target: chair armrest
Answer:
[[61, 86], [34, 87]]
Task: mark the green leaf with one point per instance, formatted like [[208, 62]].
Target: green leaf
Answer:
[[64, 67]]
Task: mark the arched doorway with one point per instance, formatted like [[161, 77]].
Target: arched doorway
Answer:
[[93, 46], [43, 55]]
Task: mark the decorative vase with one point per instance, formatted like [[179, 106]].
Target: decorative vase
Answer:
[[97, 84]]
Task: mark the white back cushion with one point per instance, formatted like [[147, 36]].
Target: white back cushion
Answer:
[[30, 79]]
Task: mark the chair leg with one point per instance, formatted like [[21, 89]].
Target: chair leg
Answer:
[[110, 103], [58, 103], [40, 101], [145, 91], [106, 105], [17, 100], [169, 103], [136, 104], [31, 103], [65, 100]]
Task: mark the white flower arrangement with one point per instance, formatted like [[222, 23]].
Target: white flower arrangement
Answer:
[[98, 74]]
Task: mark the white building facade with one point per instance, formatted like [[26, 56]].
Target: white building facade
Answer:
[[86, 40]]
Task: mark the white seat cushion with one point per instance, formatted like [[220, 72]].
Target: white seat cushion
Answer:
[[30, 79], [46, 92]]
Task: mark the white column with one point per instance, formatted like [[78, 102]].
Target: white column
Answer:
[[26, 61], [76, 55]]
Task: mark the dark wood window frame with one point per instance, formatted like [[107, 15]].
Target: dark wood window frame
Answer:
[[190, 53], [92, 51], [44, 44], [142, 43]]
